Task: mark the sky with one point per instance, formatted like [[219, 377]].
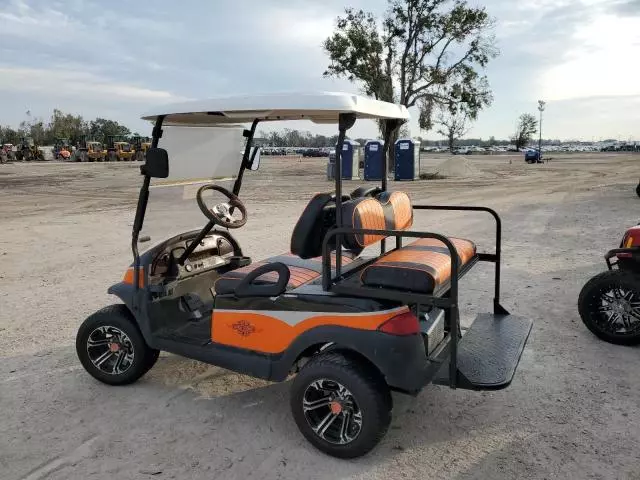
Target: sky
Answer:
[[117, 59]]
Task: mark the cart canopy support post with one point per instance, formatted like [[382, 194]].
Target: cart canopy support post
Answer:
[[345, 122], [141, 208], [390, 126], [249, 134]]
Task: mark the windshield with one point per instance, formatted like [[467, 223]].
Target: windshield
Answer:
[[174, 210], [202, 153]]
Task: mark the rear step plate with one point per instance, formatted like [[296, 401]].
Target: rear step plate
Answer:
[[489, 352]]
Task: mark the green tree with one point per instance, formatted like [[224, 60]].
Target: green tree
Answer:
[[526, 127], [9, 135], [427, 53], [101, 128], [68, 126]]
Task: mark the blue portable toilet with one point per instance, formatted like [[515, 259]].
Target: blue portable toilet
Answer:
[[350, 158], [407, 157], [373, 151]]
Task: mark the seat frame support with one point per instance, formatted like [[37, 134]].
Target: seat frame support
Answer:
[[446, 297]]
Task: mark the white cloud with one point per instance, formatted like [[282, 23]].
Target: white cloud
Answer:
[[603, 61], [71, 83]]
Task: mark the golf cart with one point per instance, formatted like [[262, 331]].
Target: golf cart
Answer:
[[352, 327], [609, 303]]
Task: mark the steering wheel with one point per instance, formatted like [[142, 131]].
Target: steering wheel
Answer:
[[222, 213]]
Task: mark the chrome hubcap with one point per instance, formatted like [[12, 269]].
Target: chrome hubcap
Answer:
[[332, 411], [620, 311], [110, 350]]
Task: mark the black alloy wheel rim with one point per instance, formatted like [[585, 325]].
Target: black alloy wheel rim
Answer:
[[619, 311], [332, 412], [110, 350]]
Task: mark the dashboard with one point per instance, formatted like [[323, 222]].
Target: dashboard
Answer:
[[213, 251]]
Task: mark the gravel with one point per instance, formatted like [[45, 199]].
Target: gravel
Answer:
[[571, 412]]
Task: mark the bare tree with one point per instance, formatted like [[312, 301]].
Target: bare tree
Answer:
[[526, 128], [452, 126]]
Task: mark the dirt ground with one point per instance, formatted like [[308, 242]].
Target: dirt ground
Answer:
[[571, 412]]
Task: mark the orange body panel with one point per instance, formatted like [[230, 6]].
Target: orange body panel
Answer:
[[129, 278], [269, 334]]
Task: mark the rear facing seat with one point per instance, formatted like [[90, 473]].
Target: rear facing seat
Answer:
[[421, 266]]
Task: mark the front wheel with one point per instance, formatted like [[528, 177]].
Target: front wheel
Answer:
[[111, 347], [341, 405], [638, 189], [609, 305]]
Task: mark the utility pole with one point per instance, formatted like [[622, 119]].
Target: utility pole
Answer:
[[541, 105]]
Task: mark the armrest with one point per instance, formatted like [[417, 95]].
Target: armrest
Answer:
[[246, 288]]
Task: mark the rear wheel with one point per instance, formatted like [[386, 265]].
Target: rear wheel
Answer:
[[111, 347], [609, 305], [341, 405]]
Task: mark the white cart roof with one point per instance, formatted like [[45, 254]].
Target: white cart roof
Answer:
[[323, 107]]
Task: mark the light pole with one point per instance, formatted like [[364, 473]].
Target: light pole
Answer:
[[541, 104]]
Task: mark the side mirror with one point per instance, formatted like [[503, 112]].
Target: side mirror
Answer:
[[157, 163], [254, 159]]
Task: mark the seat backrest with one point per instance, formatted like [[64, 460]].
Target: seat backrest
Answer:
[[387, 211], [315, 220]]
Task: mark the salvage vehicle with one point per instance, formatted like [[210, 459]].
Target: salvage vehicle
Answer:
[[118, 149], [352, 327], [89, 151], [62, 149], [609, 303], [532, 155], [28, 150], [140, 146], [6, 150]]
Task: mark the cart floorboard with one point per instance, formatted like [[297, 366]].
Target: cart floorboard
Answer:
[[489, 352]]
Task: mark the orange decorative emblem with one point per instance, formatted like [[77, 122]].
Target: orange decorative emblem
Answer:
[[244, 328]]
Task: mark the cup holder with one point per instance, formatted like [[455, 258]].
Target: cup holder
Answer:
[[237, 262]]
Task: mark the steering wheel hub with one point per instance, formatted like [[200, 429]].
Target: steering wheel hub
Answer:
[[222, 213]]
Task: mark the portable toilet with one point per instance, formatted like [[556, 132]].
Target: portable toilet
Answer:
[[373, 161], [407, 157], [350, 158]]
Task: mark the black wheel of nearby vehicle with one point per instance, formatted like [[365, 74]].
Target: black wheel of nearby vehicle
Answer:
[[609, 305], [341, 405], [111, 347], [638, 189]]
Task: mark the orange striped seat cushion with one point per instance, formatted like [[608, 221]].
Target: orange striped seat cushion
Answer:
[[421, 266], [301, 272]]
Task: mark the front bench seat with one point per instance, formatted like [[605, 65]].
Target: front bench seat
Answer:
[[301, 272], [305, 261]]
